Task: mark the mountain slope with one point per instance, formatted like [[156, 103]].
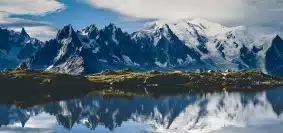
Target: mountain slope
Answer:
[[184, 44], [57, 53], [274, 54], [16, 47], [92, 50], [220, 46]]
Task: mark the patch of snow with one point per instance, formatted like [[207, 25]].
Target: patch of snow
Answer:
[[117, 58], [96, 50], [63, 50], [163, 65], [189, 59], [73, 65], [106, 43], [84, 33], [128, 61], [180, 61], [50, 67], [114, 39], [156, 40], [89, 44], [66, 41], [103, 60], [136, 64]]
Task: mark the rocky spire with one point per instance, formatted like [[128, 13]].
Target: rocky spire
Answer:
[[277, 38], [24, 33], [66, 32], [92, 31]]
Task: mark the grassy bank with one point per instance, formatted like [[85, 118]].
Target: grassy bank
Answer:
[[25, 87]]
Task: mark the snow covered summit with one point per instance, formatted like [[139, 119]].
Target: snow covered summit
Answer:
[[184, 44]]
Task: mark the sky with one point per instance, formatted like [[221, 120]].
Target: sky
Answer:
[[42, 18]]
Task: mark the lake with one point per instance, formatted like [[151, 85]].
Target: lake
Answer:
[[235, 112]]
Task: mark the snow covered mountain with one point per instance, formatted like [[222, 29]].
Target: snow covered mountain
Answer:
[[16, 47], [222, 47], [183, 44], [93, 50]]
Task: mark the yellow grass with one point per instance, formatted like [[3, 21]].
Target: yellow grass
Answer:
[[119, 77]]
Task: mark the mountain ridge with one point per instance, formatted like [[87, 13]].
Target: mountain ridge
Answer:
[[16, 47], [185, 44]]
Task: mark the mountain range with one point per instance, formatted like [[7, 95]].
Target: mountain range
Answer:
[[184, 44]]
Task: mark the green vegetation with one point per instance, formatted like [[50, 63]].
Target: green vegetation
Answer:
[[37, 86], [118, 77], [28, 86], [186, 82]]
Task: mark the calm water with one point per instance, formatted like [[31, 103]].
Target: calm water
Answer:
[[251, 112]]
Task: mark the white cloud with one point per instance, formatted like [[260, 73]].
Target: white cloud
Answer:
[[234, 12], [38, 29], [31, 7], [42, 33], [6, 21]]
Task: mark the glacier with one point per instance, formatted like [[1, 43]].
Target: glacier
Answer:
[[186, 44]]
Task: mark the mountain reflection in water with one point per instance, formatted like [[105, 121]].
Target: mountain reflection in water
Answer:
[[259, 112]]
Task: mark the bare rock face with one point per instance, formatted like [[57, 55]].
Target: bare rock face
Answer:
[[274, 57], [186, 44], [16, 48]]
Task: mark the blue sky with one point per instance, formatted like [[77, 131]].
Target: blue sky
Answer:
[[42, 18], [80, 15]]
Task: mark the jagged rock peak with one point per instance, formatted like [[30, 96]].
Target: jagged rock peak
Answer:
[[91, 31], [112, 27], [277, 38], [24, 33], [66, 32], [90, 28]]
